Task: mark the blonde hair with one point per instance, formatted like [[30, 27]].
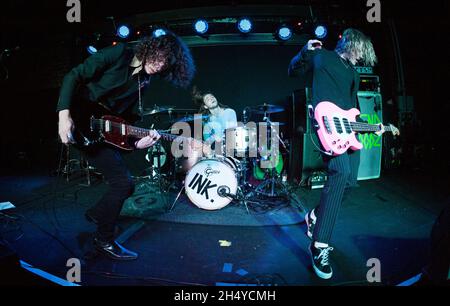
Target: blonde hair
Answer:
[[354, 41]]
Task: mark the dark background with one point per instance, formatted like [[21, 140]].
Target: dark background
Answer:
[[239, 75]]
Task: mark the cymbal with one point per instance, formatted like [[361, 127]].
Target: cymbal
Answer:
[[191, 118], [267, 108], [157, 110], [184, 110]]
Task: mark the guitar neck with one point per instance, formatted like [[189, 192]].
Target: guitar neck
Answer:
[[129, 130], [142, 132], [366, 127]]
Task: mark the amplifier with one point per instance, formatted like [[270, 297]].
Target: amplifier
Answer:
[[369, 83]]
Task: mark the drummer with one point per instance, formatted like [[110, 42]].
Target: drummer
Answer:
[[220, 118]]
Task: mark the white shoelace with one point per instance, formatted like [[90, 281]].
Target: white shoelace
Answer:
[[324, 253]]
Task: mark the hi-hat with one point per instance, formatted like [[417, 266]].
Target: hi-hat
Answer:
[[191, 118], [158, 110], [267, 108], [184, 110]]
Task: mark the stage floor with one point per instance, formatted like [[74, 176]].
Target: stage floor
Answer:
[[389, 219]]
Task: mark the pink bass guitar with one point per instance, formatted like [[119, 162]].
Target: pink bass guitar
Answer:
[[337, 128]]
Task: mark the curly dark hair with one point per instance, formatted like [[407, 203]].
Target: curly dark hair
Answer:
[[179, 65]]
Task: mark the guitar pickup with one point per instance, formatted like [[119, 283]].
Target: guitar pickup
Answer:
[[327, 124], [107, 126]]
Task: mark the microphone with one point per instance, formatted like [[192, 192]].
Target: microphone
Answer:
[[223, 191]]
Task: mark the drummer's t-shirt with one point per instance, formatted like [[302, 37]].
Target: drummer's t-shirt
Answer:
[[217, 125]]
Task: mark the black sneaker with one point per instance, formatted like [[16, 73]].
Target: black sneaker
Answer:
[[310, 220], [320, 257]]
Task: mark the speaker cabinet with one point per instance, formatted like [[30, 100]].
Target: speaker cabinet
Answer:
[[304, 158], [370, 105]]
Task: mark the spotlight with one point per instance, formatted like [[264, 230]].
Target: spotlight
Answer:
[[284, 33], [201, 26], [320, 31], [123, 31], [159, 32], [91, 49], [244, 25]]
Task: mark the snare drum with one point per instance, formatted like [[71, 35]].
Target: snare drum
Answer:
[[210, 182]]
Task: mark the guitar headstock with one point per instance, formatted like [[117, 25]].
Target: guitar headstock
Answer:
[[395, 131]]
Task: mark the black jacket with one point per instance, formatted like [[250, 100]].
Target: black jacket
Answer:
[[333, 79], [102, 74]]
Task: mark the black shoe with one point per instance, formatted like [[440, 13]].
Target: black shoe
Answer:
[[320, 258], [114, 250], [310, 223], [90, 216]]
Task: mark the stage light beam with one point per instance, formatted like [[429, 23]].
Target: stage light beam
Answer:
[[91, 49], [244, 25], [123, 31], [320, 31], [159, 32], [201, 26], [284, 33]]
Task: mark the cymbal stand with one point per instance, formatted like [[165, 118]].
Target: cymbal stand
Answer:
[[176, 199], [274, 179]]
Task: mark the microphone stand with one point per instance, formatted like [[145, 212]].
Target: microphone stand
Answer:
[[239, 196]]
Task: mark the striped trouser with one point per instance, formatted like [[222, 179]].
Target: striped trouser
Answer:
[[342, 174]]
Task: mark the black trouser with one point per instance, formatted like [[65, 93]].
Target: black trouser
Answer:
[[110, 163], [342, 175]]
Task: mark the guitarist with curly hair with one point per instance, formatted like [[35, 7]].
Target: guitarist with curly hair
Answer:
[[113, 80]]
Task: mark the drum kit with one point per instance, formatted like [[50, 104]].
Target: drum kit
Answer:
[[216, 180]]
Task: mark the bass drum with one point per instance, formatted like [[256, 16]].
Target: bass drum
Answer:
[[208, 183]]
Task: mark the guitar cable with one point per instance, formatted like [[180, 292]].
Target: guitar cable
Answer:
[[316, 125]]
